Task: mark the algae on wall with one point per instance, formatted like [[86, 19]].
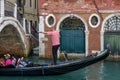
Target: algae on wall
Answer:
[[10, 41]]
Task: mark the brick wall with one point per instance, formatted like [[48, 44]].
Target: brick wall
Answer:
[[83, 8]]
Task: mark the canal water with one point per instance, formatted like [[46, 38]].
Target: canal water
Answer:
[[99, 71]]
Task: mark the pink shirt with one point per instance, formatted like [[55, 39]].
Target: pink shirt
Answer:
[[55, 37], [8, 62]]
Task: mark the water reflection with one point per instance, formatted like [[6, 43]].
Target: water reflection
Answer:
[[94, 72], [99, 71], [111, 71]]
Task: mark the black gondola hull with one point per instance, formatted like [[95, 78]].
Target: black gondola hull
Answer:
[[54, 69]]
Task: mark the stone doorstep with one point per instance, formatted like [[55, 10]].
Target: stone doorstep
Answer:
[[36, 50], [95, 51]]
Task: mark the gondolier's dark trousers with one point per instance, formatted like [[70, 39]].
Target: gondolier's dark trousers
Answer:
[[54, 53]]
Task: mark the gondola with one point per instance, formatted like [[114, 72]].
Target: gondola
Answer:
[[60, 68]]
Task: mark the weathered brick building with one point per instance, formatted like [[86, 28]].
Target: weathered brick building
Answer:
[[85, 25]]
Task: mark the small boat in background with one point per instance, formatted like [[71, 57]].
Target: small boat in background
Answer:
[[61, 68]]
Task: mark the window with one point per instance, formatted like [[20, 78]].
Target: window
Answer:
[[27, 27], [35, 24], [35, 4], [113, 24], [50, 20], [30, 3], [19, 3], [24, 2], [31, 24], [94, 20]]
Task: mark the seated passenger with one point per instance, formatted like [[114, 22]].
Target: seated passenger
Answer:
[[14, 61], [21, 62], [2, 62], [8, 61]]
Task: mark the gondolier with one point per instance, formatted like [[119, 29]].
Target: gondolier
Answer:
[[55, 36]]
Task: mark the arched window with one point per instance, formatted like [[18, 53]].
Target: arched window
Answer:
[[112, 24]]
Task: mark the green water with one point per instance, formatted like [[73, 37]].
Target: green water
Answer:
[[98, 71]]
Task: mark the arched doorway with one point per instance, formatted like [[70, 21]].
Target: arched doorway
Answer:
[[72, 31], [112, 34]]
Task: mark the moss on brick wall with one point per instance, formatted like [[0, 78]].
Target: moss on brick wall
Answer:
[[10, 41]]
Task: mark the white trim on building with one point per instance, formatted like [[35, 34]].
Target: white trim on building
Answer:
[[47, 18], [41, 36], [103, 31], [9, 20], [96, 23]]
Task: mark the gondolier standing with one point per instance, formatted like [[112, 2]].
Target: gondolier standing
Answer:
[[55, 36]]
